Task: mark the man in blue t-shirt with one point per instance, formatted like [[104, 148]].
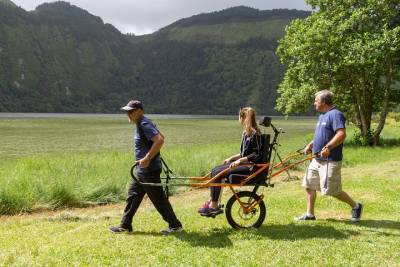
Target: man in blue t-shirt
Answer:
[[324, 172], [148, 141]]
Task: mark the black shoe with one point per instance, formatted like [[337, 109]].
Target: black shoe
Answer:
[[170, 230], [305, 217], [356, 213], [120, 230], [210, 212]]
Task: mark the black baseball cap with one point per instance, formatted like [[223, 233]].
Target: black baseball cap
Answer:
[[132, 105]]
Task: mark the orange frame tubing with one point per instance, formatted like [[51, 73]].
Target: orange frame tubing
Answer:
[[288, 166], [208, 181], [263, 168], [249, 208]]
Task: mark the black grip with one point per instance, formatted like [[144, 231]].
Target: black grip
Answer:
[[133, 171]]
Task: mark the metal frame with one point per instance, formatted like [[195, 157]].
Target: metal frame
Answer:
[[208, 181]]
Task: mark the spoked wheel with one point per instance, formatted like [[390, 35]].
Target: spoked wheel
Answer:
[[245, 212]]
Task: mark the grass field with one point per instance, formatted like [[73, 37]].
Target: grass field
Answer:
[[71, 162], [75, 162], [230, 33]]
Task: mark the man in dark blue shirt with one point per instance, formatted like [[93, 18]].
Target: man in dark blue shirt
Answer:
[[324, 172], [148, 141]]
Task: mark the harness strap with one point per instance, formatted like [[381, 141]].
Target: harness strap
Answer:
[[167, 172]]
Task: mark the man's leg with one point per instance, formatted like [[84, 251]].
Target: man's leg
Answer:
[[343, 196], [135, 197], [356, 208], [332, 171], [160, 201], [334, 188], [311, 197], [311, 183]]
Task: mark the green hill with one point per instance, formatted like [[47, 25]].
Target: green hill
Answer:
[[229, 26], [8, 2], [60, 58]]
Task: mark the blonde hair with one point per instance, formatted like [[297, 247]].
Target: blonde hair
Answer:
[[247, 118]]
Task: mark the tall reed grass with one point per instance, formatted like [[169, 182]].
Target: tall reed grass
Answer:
[[100, 174]]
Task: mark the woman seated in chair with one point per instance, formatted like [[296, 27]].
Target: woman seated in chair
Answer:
[[250, 152]]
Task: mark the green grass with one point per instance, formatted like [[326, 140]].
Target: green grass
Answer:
[[64, 163], [76, 162], [79, 237], [230, 33]]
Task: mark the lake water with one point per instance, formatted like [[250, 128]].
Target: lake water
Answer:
[[16, 115]]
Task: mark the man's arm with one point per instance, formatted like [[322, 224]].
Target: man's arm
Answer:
[[158, 141], [337, 139], [308, 148]]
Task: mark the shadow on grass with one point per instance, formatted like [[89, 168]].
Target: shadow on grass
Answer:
[[216, 238], [219, 238], [380, 224], [303, 231]]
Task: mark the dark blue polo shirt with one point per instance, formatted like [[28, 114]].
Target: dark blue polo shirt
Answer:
[[145, 130], [327, 126]]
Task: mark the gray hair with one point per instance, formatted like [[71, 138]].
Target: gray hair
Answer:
[[325, 96]]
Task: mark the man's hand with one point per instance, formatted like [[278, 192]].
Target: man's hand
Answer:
[[308, 148], [337, 139], [325, 152], [158, 141], [144, 162]]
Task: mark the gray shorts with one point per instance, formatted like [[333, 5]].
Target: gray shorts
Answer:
[[324, 176]]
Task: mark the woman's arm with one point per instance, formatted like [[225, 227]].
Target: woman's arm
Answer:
[[254, 149], [238, 161], [232, 158]]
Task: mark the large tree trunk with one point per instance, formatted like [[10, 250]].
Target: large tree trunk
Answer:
[[385, 108], [359, 109], [363, 110], [363, 98]]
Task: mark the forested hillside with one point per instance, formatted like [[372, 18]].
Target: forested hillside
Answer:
[[60, 58]]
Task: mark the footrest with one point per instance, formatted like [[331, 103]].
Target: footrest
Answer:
[[211, 215]]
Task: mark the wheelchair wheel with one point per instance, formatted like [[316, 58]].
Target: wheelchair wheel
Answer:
[[238, 217]]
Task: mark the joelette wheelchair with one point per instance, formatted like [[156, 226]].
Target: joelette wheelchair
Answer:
[[245, 208]]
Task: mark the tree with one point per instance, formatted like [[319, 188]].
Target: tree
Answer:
[[351, 47]]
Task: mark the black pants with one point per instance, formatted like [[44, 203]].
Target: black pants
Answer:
[[216, 190], [156, 194]]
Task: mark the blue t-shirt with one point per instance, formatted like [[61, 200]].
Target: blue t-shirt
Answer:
[[145, 130], [327, 126]]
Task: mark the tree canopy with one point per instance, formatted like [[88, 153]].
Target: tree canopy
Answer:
[[351, 47]]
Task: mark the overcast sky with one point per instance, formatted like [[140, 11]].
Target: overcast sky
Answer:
[[146, 16]]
